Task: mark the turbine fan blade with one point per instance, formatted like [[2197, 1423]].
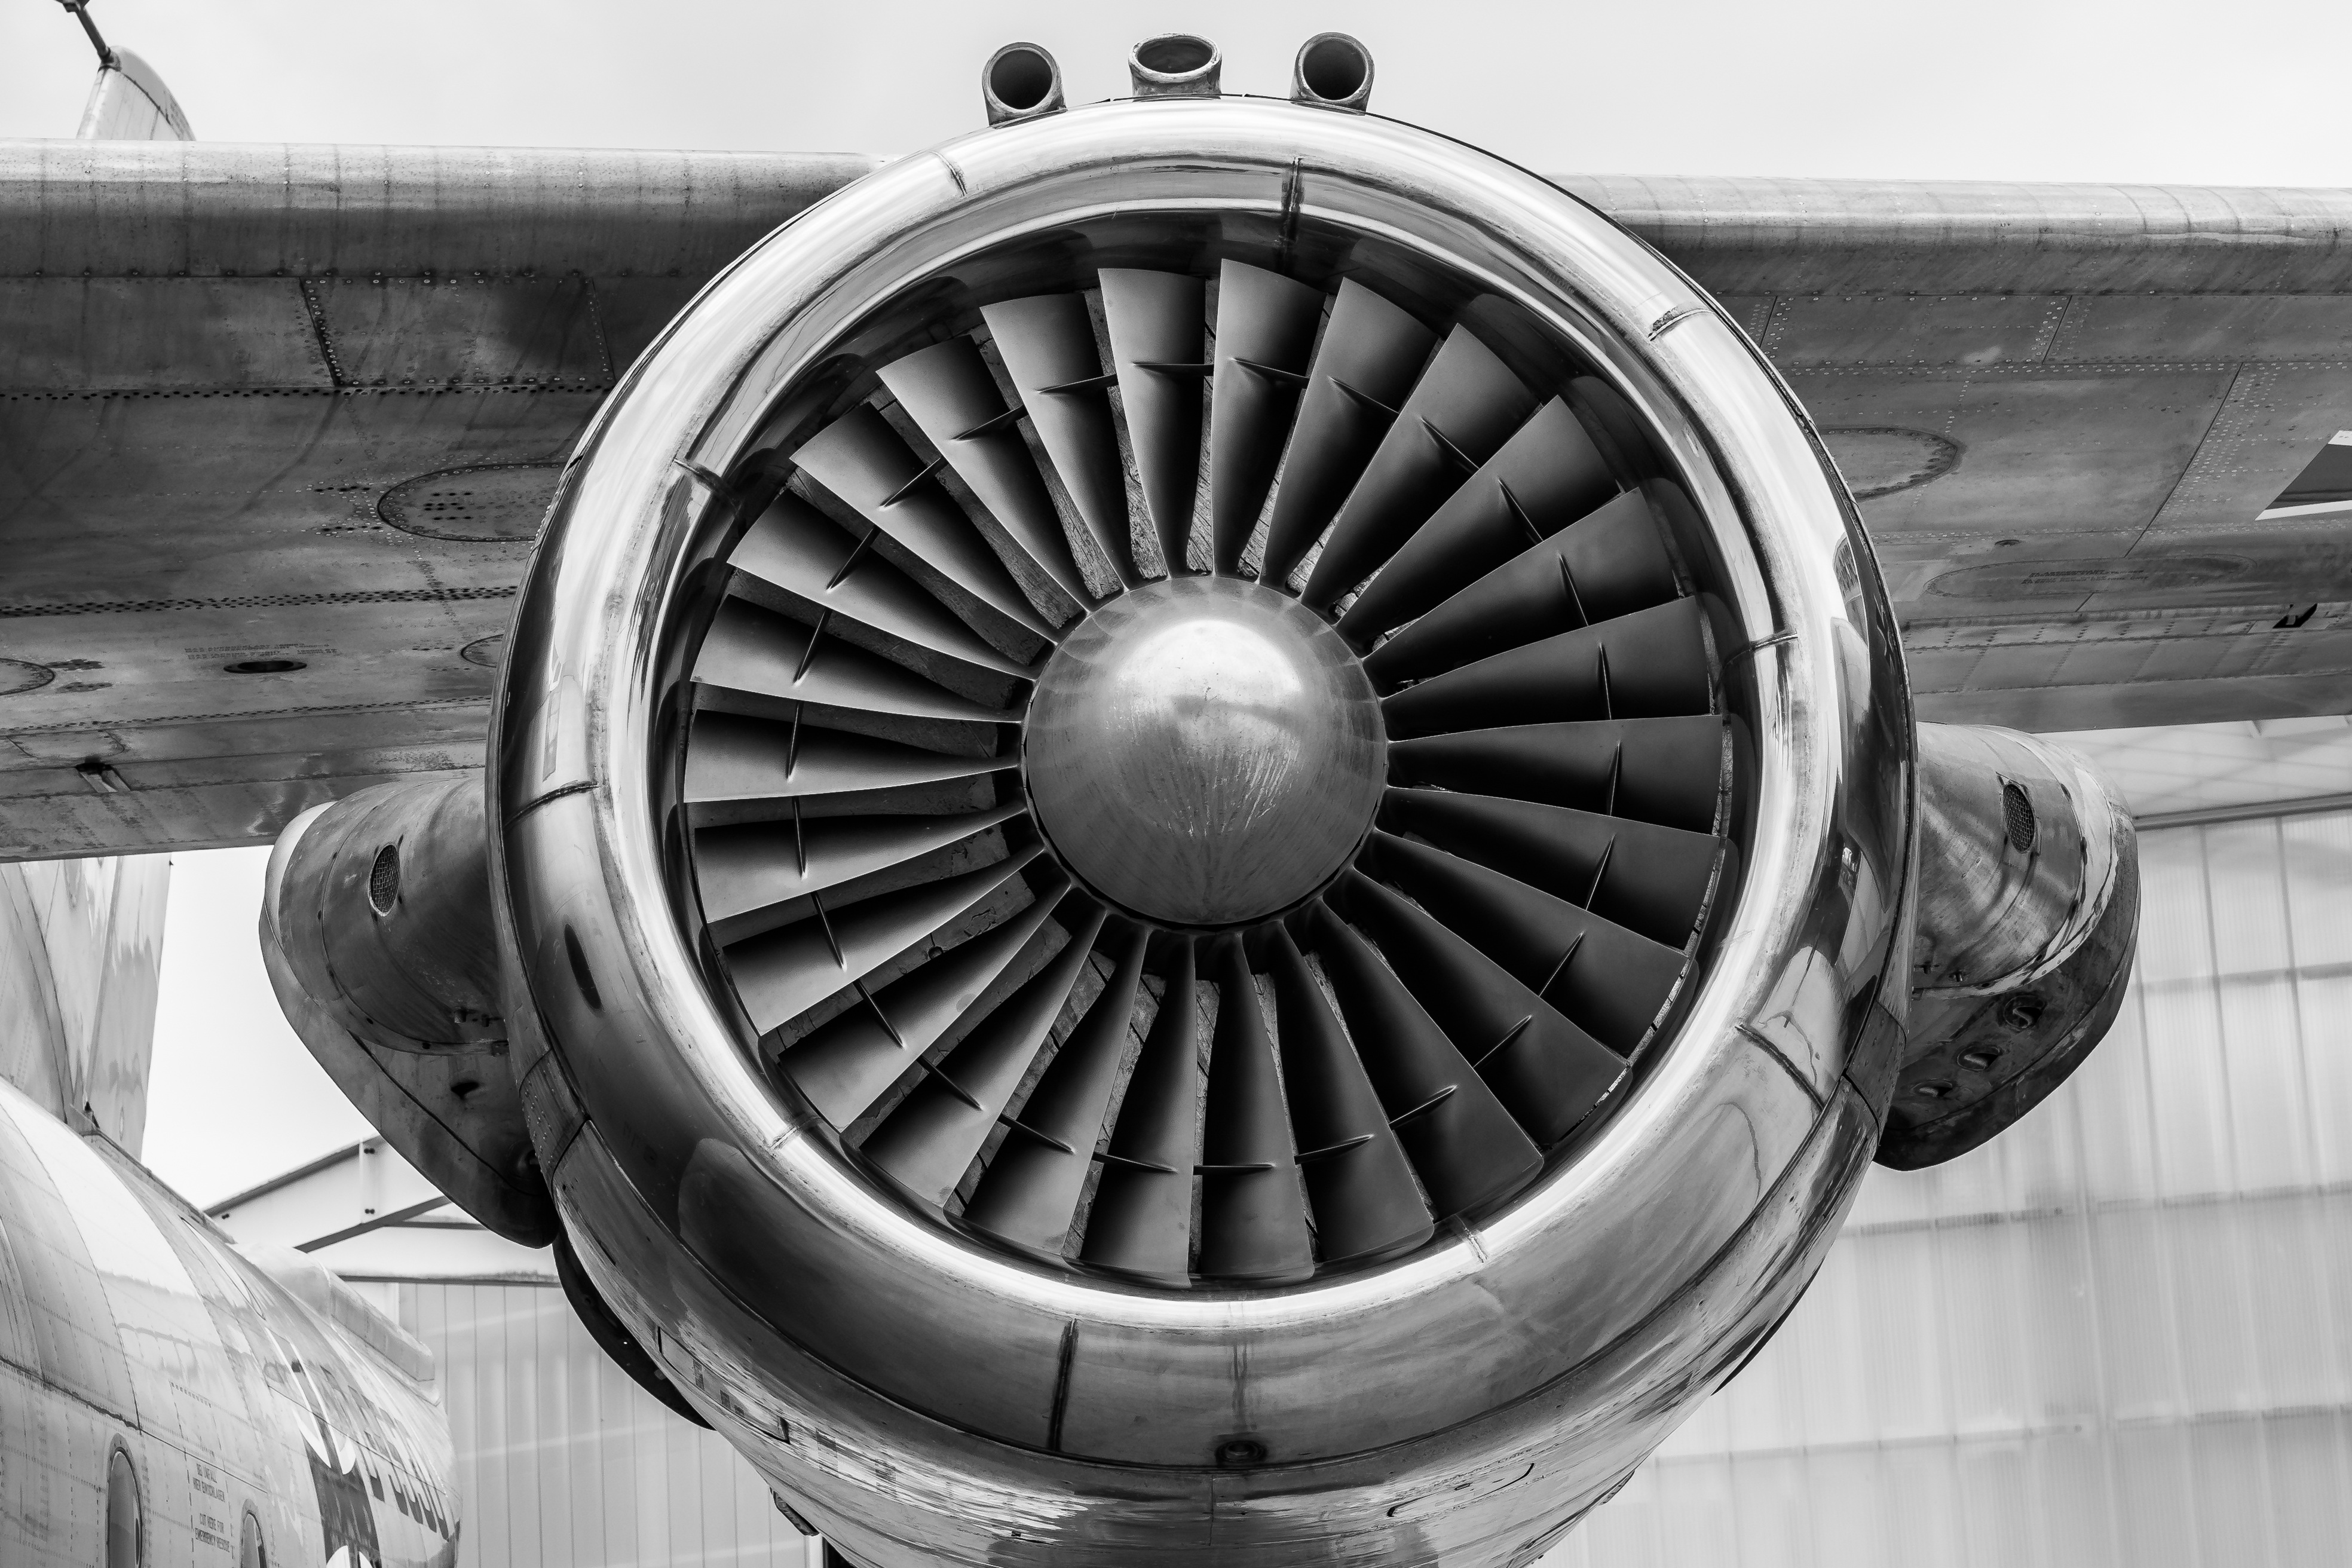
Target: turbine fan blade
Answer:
[[780, 975], [1155, 321], [1467, 1150], [1548, 1072], [1253, 1213], [1607, 980], [1370, 354], [736, 761], [947, 391], [777, 664], [1651, 664], [1141, 1223], [931, 1140], [1461, 411], [846, 1064], [1265, 337], [1610, 565], [796, 548], [860, 460], [1648, 878], [758, 876], [1545, 478], [1047, 343], [1358, 1183], [1030, 1192], [1667, 770], [1620, 433], [1229, 1079]]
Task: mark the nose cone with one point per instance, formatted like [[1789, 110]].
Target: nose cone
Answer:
[[1204, 751]]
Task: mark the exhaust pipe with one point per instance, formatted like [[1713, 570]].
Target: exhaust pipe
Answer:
[[1175, 65], [1021, 81], [1332, 71]]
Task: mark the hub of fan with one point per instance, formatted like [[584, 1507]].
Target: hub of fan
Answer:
[[1204, 751]]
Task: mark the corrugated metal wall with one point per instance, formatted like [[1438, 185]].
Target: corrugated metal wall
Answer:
[[562, 1462], [2121, 1333]]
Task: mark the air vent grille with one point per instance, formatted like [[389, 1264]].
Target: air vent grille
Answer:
[[2017, 815]]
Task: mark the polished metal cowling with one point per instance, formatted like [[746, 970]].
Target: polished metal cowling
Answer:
[[1203, 805], [2026, 918], [376, 936]]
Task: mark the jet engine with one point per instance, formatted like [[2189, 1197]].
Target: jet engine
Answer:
[[1201, 837]]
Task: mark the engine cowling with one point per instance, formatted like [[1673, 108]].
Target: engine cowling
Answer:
[[1203, 832], [870, 784]]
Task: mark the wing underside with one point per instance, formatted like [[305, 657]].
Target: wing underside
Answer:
[[278, 425]]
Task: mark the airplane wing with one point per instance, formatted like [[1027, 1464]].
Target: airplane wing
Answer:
[[278, 424], [2102, 436]]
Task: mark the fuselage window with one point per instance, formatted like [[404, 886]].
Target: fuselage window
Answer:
[[126, 1528]]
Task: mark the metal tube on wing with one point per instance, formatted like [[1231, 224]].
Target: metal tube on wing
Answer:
[[1175, 65], [1020, 81], [1333, 71]]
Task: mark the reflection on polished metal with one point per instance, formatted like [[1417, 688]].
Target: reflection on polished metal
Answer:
[[1204, 751], [1457, 1181], [2028, 915]]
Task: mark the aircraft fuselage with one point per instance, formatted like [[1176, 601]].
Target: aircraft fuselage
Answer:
[[166, 1400]]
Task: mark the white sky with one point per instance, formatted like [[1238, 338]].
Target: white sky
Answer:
[[234, 1097], [2249, 93]]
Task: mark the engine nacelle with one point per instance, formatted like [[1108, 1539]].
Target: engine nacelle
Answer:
[[1205, 837], [376, 931], [1502, 753], [2028, 917]]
